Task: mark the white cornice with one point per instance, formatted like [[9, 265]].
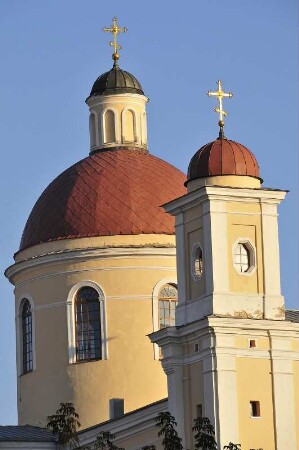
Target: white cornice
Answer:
[[224, 325], [75, 256], [206, 193]]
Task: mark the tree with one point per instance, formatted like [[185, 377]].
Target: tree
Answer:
[[171, 440], [232, 446], [104, 441], [204, 434], [64, 425]]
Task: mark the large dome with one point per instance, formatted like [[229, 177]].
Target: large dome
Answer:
[[108, 193], [116, 81]]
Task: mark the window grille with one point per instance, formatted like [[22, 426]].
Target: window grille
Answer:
[[168, 298], [242, 258], [88, 325], [27, 337]]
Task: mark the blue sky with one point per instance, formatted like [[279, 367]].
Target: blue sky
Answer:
[[52, 52]]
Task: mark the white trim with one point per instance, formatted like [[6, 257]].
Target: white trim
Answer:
[[93, 269], [155, 308], [75, 256], [19, 332], [71, 319]]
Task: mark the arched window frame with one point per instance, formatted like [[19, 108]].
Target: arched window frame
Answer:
[[123, 125], [116, 127], [252, 255], [156, 325], [196, 250], [71, 320], [19, 333], [93, 120]]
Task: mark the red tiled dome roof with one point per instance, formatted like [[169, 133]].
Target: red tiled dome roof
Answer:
[[108, 193], [223, 157]]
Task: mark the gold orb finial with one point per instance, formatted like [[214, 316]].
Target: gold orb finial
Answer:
[[220, 94], [115, 30]]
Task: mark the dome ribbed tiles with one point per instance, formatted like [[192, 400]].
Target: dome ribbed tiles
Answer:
[[223, 157], [108, 193], [116, 81]]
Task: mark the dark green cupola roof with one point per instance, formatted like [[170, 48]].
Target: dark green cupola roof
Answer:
[[116, 81]]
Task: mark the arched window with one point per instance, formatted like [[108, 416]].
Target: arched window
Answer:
[[129, 126], [197, 262], [144, 129], [168, 298], [92, 130], [109, 126], [88, 325], [27, 355]]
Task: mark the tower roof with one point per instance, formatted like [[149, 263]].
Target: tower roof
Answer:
[[116, 81], [116, 192], [223, 157]]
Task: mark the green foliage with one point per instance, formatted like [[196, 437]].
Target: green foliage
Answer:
[[204, 434], [64, 425], [171, 440], [232, 446], [104, 441]]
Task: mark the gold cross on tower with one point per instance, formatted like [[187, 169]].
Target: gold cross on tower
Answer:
[[115, 29], [220, 94]]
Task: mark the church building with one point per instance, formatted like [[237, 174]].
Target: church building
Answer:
[[140, 290]]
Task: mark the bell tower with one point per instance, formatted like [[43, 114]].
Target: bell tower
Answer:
[[230, 355]]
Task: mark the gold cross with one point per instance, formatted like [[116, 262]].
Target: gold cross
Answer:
[[220, 94], [115, 29]]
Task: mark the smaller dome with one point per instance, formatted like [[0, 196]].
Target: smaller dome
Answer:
[[116, 81], [223, 157]]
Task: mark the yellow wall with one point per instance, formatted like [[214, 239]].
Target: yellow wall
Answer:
[[254, 384], [130, 372], [243, 221]]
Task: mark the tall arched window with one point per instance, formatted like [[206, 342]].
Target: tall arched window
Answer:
[[109, 126], [88, 325], [27, 355], [92, 130], [144, 129], [168, 298], [129, 125]]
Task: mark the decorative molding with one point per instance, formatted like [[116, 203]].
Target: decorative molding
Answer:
[[94, 269], [74, 256]]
